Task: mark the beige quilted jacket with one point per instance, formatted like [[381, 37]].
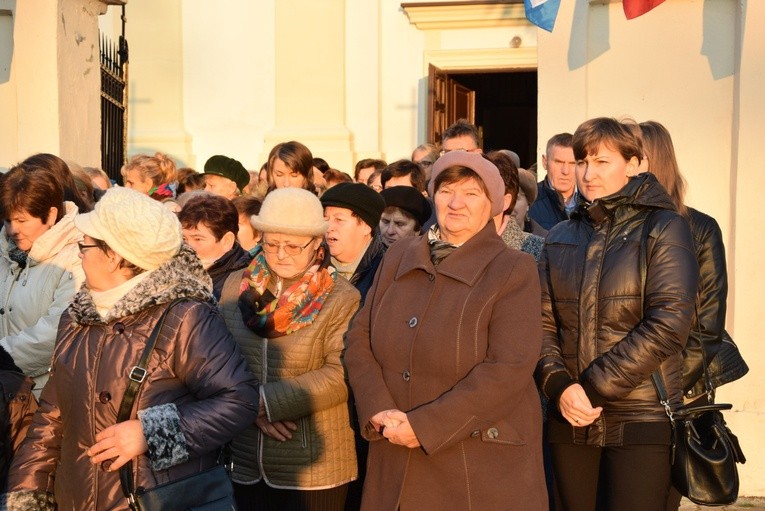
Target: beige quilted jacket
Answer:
[[303, 380]]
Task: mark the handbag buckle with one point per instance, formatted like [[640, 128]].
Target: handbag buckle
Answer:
[[131, 501], [138, 374]]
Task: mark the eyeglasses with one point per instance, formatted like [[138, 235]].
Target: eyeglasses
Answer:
[[289, 249], [83, 247]]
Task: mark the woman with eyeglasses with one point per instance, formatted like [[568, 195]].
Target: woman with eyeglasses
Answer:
[[196, 392], [289, 311], [39, 265]]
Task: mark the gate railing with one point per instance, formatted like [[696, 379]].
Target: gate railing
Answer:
[[114, 72]]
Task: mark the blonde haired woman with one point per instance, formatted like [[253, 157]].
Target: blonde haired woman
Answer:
[[156, 176]]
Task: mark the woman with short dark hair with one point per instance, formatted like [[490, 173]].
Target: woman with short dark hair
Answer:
[[196, 393], [40, 269], [618, 286]]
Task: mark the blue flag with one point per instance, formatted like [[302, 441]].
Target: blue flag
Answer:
[[542, 13]]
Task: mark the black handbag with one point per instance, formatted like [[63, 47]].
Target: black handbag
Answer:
[[704, 451], [210, 490]]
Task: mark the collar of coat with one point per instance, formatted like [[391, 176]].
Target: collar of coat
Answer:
[[466, 264], [183, 276], [641, 191]]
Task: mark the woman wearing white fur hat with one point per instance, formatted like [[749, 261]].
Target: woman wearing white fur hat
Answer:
[[197, 393], [289, 312]]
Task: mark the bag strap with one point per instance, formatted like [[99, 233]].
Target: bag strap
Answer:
[[137, 377]]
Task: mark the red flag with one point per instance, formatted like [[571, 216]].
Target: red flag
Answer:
[[635, 8]]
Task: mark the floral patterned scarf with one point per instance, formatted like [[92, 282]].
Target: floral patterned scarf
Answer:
[[298, 305]]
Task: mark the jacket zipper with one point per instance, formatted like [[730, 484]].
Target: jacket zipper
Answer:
[[261, 435], [303, 432]]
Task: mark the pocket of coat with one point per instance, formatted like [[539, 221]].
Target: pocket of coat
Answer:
[[501, 434], [304, 432]]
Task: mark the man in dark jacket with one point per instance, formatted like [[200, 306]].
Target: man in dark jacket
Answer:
[[556, 195]]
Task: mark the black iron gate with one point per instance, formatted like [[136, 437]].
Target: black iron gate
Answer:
[[114, 70]]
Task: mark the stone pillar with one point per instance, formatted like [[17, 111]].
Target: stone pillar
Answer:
[[50, 97], [155, 80], [310, 80]]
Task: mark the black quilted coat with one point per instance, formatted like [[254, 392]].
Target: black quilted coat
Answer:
[[600, 329]]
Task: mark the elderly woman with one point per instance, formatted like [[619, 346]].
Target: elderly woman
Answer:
[[156, 176], [197, 393], [406, 211], [290, 165], [40, 269], [610, 321], [441, 356], [288, 312]]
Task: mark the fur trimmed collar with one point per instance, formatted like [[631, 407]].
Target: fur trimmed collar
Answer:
[[180, 277]]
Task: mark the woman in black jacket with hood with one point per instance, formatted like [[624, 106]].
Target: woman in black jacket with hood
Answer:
[[609, 322]]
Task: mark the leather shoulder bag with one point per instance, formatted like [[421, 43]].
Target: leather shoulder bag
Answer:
[[210, 490], [704, 450]]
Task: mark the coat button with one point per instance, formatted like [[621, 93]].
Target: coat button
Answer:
[[492, 433], [2, 310], [119, 328], [412, 322], [406, 375], [106, 465], [104, 397], [431, 277]]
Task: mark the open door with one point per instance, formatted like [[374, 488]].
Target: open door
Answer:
[[447, 102]]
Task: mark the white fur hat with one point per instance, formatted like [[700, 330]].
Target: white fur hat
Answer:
[[291, 211], [138, 228]]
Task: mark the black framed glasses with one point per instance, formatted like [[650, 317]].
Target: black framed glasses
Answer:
[[289, 249], [83, 247]]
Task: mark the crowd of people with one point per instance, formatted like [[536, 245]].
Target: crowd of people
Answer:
[[446, 331]]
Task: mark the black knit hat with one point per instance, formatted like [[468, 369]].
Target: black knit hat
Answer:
[[357, 197], [230, 168], [408, 199]]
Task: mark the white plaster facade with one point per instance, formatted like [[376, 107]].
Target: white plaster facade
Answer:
[[348, 78]]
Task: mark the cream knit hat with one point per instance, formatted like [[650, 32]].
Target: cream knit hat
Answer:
[[138, 228], [291, 211]]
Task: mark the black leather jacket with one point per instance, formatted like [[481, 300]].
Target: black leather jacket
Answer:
[[599, 328]]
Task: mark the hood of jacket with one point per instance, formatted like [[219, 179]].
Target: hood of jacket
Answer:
[[50, 243], [182, 276]]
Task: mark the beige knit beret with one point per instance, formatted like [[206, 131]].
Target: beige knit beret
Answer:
[[291, 211], [138, 228]]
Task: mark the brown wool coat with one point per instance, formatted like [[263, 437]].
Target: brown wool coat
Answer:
[[453, 346]]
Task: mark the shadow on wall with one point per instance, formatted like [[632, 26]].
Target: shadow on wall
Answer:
[[7, 8], [581, 48], [718, 47]]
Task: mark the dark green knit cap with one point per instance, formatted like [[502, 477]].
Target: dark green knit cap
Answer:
[[230, 168]]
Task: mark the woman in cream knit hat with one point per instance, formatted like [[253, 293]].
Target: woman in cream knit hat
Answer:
[[197, 393], [289, 312]]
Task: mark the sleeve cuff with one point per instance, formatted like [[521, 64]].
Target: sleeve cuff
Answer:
[[162, 429], [595, 398], [556, 384], [28, 501]]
